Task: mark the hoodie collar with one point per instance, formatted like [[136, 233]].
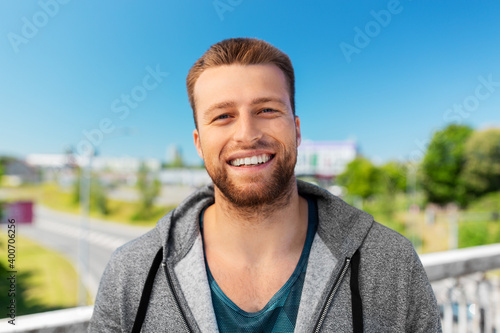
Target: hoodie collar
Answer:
[[341, 226]]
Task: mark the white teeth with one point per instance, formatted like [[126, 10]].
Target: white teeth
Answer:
[[249, 161]]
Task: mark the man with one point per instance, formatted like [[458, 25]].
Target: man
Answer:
[[259, 251]]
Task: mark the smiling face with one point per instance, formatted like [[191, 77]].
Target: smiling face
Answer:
[[247, 134]]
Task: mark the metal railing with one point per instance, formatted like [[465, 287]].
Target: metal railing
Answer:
[[73, 320], [455, 263], [469, 298]]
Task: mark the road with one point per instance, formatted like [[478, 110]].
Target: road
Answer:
[[169, 194], [62, 232]]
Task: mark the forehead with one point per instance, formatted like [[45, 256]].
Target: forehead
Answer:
[[239, 84]]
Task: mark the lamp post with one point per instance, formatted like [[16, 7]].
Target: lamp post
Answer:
[[83, 246], [413, 209], [83, 240]]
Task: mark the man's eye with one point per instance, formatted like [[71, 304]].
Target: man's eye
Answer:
[[222, 116], [268, 110]]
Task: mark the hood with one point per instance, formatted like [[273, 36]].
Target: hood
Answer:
[[341, 226]]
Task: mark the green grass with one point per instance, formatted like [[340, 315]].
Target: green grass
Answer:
[[119, 211], [45, 280], [481, 229], [478, 233], [488, 203]]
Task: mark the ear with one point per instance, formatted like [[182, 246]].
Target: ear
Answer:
[[297, 130], [197, 142]]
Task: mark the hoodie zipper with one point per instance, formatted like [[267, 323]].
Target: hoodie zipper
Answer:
[[185, 324], [330, 296]]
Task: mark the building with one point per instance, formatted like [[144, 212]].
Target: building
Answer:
[[18, 172], [61, 167], [125, 164], [324, 159]]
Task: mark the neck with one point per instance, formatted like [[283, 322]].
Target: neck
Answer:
[[253, 215], [256, 235]]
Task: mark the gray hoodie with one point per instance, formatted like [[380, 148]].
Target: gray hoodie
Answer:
[[395, 293]]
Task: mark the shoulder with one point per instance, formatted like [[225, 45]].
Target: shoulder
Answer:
[[394, 283], [129, 264], [386, 253], [122, 283], [386, 240], [137, 250]]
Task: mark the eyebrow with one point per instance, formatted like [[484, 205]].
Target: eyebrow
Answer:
[[221, 105], [261, 100]]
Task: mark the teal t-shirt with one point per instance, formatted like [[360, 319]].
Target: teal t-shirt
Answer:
[[280, 313]]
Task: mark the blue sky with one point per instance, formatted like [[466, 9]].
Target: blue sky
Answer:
[[387, 73]]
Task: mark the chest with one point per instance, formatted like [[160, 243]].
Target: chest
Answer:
[[251, 288]]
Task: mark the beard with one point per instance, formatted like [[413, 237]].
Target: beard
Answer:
[[258, 192]]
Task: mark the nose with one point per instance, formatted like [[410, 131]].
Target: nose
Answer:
[[248, 129]]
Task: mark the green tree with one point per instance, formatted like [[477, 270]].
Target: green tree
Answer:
[[98, 193], [76, 186], [481, 172], [378, 184], [360, 178], [393, 177], [99, 197], [1, 182], [443, 163], [149, 189], [391, 180]]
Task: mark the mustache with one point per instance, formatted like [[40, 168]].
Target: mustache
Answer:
[[261, 144]]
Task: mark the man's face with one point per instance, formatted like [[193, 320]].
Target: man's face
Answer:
[[247, 134]]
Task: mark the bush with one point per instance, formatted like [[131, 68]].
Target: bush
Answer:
[[99, 197], [478, 233], [488, 203], [384, 207], [149, 188]]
